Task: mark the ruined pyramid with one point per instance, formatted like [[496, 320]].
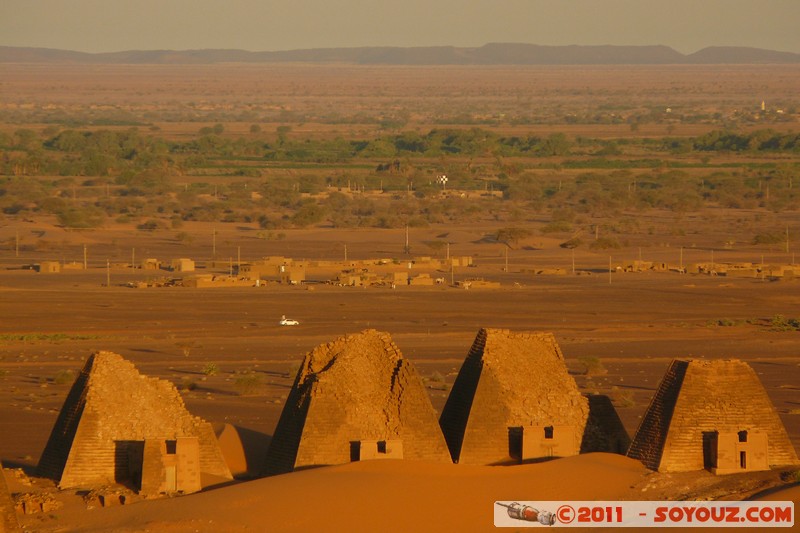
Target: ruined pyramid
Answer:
[[711, 414], [108, 415], [355, 398], [513, 399], [8, 516]]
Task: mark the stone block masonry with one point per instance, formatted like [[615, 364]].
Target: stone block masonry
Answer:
[[109, 413], [696, 403], [356, 389], [510, 382]]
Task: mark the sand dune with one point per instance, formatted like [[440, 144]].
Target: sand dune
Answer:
[[376, 495]]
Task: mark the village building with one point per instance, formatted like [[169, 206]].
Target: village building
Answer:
[[292, 274], [182, 265], [355, 398], [48, 267], [714, 415], [151, 264], [460, 261], [423, 279]]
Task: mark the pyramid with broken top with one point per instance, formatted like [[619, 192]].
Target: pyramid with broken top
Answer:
[[355, 398], [109, 415]]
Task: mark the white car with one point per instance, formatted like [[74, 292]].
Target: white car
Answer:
[[288, 321]]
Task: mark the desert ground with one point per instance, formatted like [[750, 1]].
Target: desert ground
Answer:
[[629, 325]]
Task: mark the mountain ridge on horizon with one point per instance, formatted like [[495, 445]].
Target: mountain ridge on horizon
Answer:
[[488, 54]]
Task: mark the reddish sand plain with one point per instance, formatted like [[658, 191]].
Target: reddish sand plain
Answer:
[[635, 323]]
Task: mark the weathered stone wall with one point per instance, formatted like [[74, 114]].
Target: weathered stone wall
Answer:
[[721, 395], [355, 388], [111, 402], [8, 516], [510, 380]]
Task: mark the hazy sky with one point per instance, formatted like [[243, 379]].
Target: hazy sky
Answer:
[[113, 25]]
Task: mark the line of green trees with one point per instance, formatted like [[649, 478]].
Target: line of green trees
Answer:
[[112, 153], [85, 177]]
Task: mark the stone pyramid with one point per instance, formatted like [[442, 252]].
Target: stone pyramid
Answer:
[[108, 414], [697, 403], [512, 395], [355, 398], [8, 516]]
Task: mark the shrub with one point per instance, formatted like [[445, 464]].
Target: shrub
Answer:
[[623, 398], [211, 369], [572, 243], [186, 347], [592, 366], [150, 225], [769, 238], [247, 384], [64, 377], [436, 377], [558, 226], [88, 217], [605, 243], [782, 323]]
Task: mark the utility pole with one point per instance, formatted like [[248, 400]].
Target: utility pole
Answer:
[[448, 251], [407, 247], [238, 257], [452, 273], [573, 261], [108, 272], [345, 253], [681, 258], [85, 266], [214, 243], [505, 268], [787, 238]]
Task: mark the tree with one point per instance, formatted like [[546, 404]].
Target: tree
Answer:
[[555, 144], [511, 236], [282, 132]]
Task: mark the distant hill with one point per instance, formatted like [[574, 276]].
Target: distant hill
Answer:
[[738, 54], [489, 54]]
